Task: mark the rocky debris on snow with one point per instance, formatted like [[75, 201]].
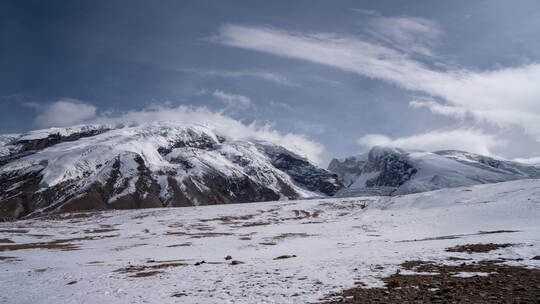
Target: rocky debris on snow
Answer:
[[488, 281], [282, 257], [475, 248]]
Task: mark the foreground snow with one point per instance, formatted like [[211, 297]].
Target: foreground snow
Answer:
[[337, 242]]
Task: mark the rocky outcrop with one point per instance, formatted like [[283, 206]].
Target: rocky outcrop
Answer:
[[302, 171]]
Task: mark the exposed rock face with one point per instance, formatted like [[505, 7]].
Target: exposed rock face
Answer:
[[348, 169], [392, 166], [392, 171], [302, 171], [157, 165]]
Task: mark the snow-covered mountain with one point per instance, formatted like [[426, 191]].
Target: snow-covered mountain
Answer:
[[151, 165], [393, 171]]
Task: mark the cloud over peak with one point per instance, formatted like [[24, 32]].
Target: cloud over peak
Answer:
[[503, 96], [64, 112], [470, 140]]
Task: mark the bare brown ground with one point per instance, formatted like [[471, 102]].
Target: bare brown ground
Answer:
[[63, 244], [475, 248], [9, 258], [139, 268], [145, 274], [13, 231], [180, 245], [199, 234], [489, 281], [291, 235]]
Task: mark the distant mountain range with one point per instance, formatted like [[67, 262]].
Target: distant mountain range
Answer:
[[154, 165], [393, 171], [95, 167]]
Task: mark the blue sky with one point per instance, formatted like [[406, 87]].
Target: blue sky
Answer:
[[345, 74]]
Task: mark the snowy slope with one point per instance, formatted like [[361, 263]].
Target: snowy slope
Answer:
[[392, 171], [152, 165], [150, 256]]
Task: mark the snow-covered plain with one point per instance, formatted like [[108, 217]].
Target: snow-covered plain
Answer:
[[337, 242]]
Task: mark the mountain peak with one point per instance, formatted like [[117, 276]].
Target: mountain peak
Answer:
[[150, 165], [392, 171]]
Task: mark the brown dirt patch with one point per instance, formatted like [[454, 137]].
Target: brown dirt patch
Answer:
[[268, 243], [138, 268], [498, 231], [64, 244], [476, 248], [457, 259], [14, 231], [198, 235], [282, 257], [229, 219], [291, 235], [6, 241], [145, 274], [9, 259], [39, 270], [40, 236], [504, 284], [100, 230], [255, 224], [164, 261], [180, 245], [70, 215], [72, 283]]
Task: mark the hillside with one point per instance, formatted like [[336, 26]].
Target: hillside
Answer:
[[283, 252]]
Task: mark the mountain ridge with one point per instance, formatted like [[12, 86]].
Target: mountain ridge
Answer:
[[150, 165], [394, 171]]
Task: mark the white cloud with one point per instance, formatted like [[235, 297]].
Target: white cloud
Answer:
[[506, 96], [267, 76], [65, 112], [232, 99], [223, 124], [530, 161], [407, 34], [438, 108], [366, 12], [471, 140]]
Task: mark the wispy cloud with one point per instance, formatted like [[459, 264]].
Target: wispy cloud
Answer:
[[470, 140], [366, 12], [62, 113], [266, 76], [408, 34], [530, 161], [504, 96], [232, 99]]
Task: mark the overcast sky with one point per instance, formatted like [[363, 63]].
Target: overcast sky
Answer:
[[347, 75]]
